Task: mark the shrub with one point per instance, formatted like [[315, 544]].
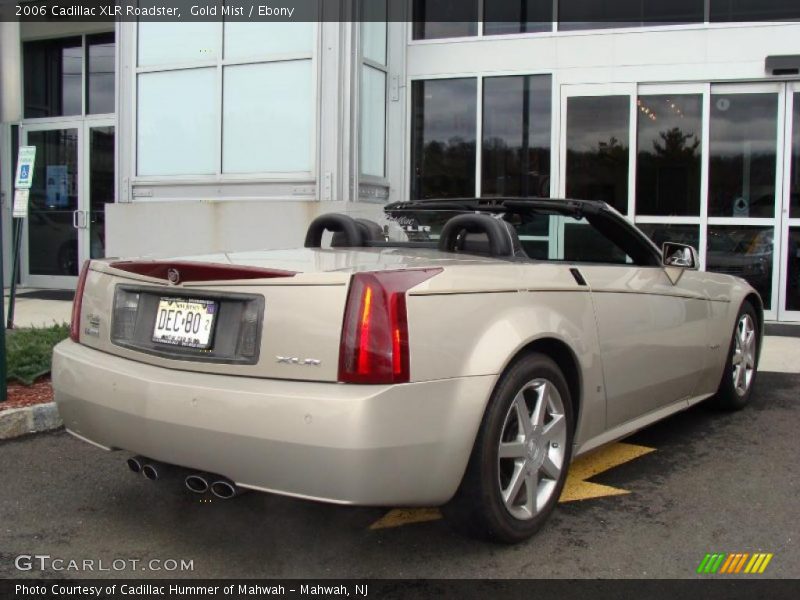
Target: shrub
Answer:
[[29, 352]]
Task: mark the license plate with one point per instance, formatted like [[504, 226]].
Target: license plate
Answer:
[[185, 322]]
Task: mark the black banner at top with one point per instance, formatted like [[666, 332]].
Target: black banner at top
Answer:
[[533, 15]]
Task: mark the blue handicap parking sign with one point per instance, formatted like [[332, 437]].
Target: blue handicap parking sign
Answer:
[[24, 171]]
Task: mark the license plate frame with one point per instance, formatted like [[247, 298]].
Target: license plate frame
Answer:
[[170, 330]]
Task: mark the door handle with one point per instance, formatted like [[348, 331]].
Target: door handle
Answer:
[[75, 219]]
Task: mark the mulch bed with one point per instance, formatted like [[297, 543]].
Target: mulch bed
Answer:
[[27, 395]]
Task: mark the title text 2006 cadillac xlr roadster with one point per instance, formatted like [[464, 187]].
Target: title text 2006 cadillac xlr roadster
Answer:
[[461, 353]]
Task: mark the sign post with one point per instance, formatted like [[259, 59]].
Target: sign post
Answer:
[[22, 190]]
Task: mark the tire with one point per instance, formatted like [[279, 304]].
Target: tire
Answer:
[[741, 366], [486, 504]]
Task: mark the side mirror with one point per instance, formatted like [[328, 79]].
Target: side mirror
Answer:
[[680, 255]]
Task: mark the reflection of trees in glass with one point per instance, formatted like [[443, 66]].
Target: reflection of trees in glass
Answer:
[[445, 169], [515, 170], [676, 144], [668, 173], [600, 174]]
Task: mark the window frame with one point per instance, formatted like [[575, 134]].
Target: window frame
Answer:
[[219, 64], [84, 79]]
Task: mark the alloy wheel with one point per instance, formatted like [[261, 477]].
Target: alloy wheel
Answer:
[[532, 449], [743, 361]]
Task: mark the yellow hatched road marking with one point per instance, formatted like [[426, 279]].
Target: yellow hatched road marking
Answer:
[[575, 488]]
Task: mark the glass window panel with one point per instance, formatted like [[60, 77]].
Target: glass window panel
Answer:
[[516, 136], [793, 270], [246, 39], [597, 149], [164, 43], [591, 14], [754, 10], [100, 74], [52, 240], [373, 30], [743, 251], [742, 155], [794, 182], [669, 154], [584, 243], [443, 114], [101, 186], [53, 77], [671, 232], [445, 18], [177, 132], [517, 16], [373, 121], [267, 117]]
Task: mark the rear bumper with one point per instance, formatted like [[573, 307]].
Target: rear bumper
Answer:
[[351, 444]]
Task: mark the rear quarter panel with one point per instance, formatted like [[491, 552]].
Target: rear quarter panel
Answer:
[[473, 321]]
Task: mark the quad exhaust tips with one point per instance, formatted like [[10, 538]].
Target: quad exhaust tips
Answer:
[[197, 483]]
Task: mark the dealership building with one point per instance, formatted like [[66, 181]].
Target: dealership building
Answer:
[[176, 138]]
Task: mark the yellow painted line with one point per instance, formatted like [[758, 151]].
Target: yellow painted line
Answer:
[[594, 463], [751, 564], [406, 516], [765, 563], [575, 488]]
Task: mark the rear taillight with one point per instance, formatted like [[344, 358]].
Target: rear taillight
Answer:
[[75, 324], [374, 345]]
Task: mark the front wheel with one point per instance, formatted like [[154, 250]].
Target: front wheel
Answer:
[[741, 367], [520, 459]]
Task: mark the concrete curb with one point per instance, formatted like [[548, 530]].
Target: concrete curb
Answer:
[[15, 422]]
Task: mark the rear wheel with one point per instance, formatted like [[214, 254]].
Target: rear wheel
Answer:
[[740, 370], [519, 463]]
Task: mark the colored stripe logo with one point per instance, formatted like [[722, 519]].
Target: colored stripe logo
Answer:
[[734, 563]]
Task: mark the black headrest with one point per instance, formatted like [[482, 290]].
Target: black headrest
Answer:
[[370, 230], [338, 223], [480, 234]]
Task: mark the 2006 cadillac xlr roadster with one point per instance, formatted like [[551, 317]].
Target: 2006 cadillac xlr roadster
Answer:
[[460, 353]]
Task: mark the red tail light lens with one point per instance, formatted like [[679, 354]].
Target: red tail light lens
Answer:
[[374, 346], [75, 324]]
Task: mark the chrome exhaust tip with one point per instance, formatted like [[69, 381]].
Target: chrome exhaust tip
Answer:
[[154, 471], [225, 489], [197, 483], [135, 463]]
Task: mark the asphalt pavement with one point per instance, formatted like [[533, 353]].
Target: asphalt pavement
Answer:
[[715, 483]]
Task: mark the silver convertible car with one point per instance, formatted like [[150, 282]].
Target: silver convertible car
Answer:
[[454, 352]]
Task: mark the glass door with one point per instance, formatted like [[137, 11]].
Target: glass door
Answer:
[[789, 301], [73, 181], [744, 181], [50, 243], [596, 159], [100, 186]]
